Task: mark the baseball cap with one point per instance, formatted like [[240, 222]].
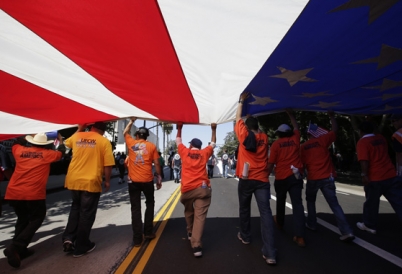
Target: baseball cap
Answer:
[[283, 128], [196, 143]]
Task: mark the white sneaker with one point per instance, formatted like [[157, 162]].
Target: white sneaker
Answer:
[[240, 238], [362, 226], [347, 238]]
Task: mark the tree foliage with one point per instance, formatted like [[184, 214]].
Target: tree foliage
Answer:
[[347, 135]]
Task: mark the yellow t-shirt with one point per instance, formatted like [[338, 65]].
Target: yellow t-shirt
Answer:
[[91, 153], [141, 154]]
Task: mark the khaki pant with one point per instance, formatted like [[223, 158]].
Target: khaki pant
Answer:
[[196, 203]]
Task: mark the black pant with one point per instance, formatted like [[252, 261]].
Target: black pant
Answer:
[[30, 215], [122, 170], [81, 219], [134, 190], [210, 171]]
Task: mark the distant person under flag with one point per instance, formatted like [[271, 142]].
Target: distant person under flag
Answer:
[[315, 130]]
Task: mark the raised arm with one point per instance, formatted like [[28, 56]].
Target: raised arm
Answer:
[[242, 97], [213, 128], [334, 124], [292, 119], [129, 125]]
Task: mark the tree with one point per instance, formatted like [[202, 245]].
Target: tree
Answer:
[[230, 144]]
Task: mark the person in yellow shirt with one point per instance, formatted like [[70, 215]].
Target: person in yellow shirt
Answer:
[[142, 154], [92, 159], [195, 186]]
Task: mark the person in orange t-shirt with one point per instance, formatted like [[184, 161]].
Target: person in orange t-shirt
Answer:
[[378, 176], [26, 192], [195, 186], [285, 154], [321, 176], [252, 170], [142, 154]]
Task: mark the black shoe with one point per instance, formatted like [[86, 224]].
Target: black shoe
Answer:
[[197, 251], [26, 253], [13, 258], [78, 254], [150, 236], [68, 246]]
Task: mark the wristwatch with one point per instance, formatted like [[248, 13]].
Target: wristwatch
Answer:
[[240, 101]]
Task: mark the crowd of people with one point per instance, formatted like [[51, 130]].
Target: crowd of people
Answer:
[[90, 170]]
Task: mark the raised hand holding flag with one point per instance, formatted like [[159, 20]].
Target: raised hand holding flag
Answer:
[[315, 130]]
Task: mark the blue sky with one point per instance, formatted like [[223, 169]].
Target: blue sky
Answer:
[[193, 131]]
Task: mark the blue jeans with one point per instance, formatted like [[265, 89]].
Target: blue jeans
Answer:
[[262, 194], [225, 170], [392, 191], [327, 188], [294, 187], [176, 173], [81, 219], [134, 190]]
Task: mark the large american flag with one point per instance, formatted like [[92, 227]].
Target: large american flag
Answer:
[[69, 62]]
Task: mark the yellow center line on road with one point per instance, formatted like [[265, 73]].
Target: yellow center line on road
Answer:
[[161, 219]]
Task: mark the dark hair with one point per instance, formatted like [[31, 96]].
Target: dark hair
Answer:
[[143, 133], [252, 123], [281, 134], [366, 127]]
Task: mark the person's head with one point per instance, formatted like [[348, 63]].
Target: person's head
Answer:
[[284, 131], [196, 143], [366, 127], [99, 127], [396, 120], [143, 133], [252, 123], [39, 140], [160, 154]]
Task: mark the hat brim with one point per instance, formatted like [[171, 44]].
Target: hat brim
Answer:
[[30, 139]]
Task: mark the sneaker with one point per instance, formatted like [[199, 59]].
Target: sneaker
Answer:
[[26, 253], [311, 228], [299, 241], [189, 235], [240, 238], [362, 226], [150, 236], [347, 238], [68, 246], [269, 261], [79, 254], [197, 251], [13, 258]]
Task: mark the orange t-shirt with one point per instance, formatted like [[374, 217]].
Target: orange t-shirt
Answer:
[[316, 157], [374, 148], [31, 172], [141, 154], [258, 169], [285, 152], [193, 162]]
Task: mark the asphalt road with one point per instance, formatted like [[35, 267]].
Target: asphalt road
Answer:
[[170, 252]]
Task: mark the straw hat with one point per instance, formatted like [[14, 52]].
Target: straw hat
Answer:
[[38, 139]]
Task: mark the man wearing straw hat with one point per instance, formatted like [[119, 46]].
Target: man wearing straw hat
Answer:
[[26, 192]]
